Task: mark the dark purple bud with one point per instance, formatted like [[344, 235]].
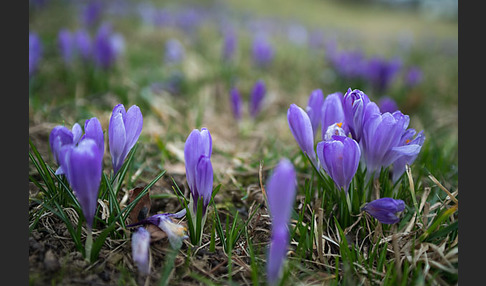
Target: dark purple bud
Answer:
[[385, 209], [104, 52], [236, 103], [256, 98]]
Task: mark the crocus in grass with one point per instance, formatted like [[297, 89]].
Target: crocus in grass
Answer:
[[408, 150], [104, 52], [67, 46], [82, 165], [35, 52], [387, 104], [230, 43], [381, 72], [354, 104], [385, 209], [262, 51], [339, 157], [61, 136], [93, 130], [174, 52], [199, 170], [175, 232], [281, 190], [140, 249], [256, 97], [91, 13], [301, 128], [236, 103], [123, 132], [332, 112], [314, 108], [83, 44]]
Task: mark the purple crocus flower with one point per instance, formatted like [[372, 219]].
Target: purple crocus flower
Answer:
[[408, 151], [91, 13], [354, 104], [413, 76], [67, 46], [199, 171], [332, 112], [104, 53], [61, 136], [236, 103], [140, 249], [381, 72], [123, 132], [381, 134], [339, 157], [83, 44], [175, 232], [230, 43], [387, 104], [256, 98], [82, 165], [314, 108], [35, 52], [334, 129], [301, 128], [385, 209], [174, 51], [262, 51], [348, 64], [281, 190], [93, 130]]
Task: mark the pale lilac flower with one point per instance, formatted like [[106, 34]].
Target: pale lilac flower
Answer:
[[199, 171], [123, 132], [256, 97], [82, 166], [175, 232], [332, 112], [281, 191], [314, 108], [301, 128], [140, 249], [385, 209], [339, 157]]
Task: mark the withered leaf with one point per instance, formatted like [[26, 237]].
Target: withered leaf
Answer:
[[142, 208]]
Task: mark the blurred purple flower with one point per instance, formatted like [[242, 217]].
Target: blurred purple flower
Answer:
[[408, 149], [354, 104], [413, 76], [230, 43], [262, 51], [332, 112], [82, 165], [314, 109], [297, 34], [175, 232], [301, 128], [348, 64], [104, 52], [67, 46], [174, 51], [199, 171], [281, 191], [339, 157], [381, 72], [256, 98], [35, 52], [91, 13], [385, 209], [236, 103], [140, 249], [83, 44], [387, 104], [123, 132]]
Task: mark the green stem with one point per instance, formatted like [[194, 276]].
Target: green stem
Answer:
[[89, 243]]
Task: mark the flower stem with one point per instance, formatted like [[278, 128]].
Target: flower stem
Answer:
[[89, 244]]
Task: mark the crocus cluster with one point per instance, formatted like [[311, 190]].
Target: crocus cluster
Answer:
[[35, 52], [385, 209], [281, 190]]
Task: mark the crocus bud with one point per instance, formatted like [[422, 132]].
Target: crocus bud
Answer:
[[281, 190], [339, 157], [123, 132], [82, 165], [140, 249], [35, 52], [354, 104], [301, 128], [235, 100], [332, 112], [256, 98], [314, 108], [385, 209]]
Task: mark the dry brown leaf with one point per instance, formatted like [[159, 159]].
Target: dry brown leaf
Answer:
[[142, 208]]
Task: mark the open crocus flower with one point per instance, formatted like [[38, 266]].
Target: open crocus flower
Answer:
[[354, 105], [61, 135], [385, 209], [332, 112], [256, 98], [140, 249], [82, 166], [301, 128], [314, 108], [334, 129], [281, 189], [175, 232], [123, 132], [339, 157], [407, 152], [93, 130]]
